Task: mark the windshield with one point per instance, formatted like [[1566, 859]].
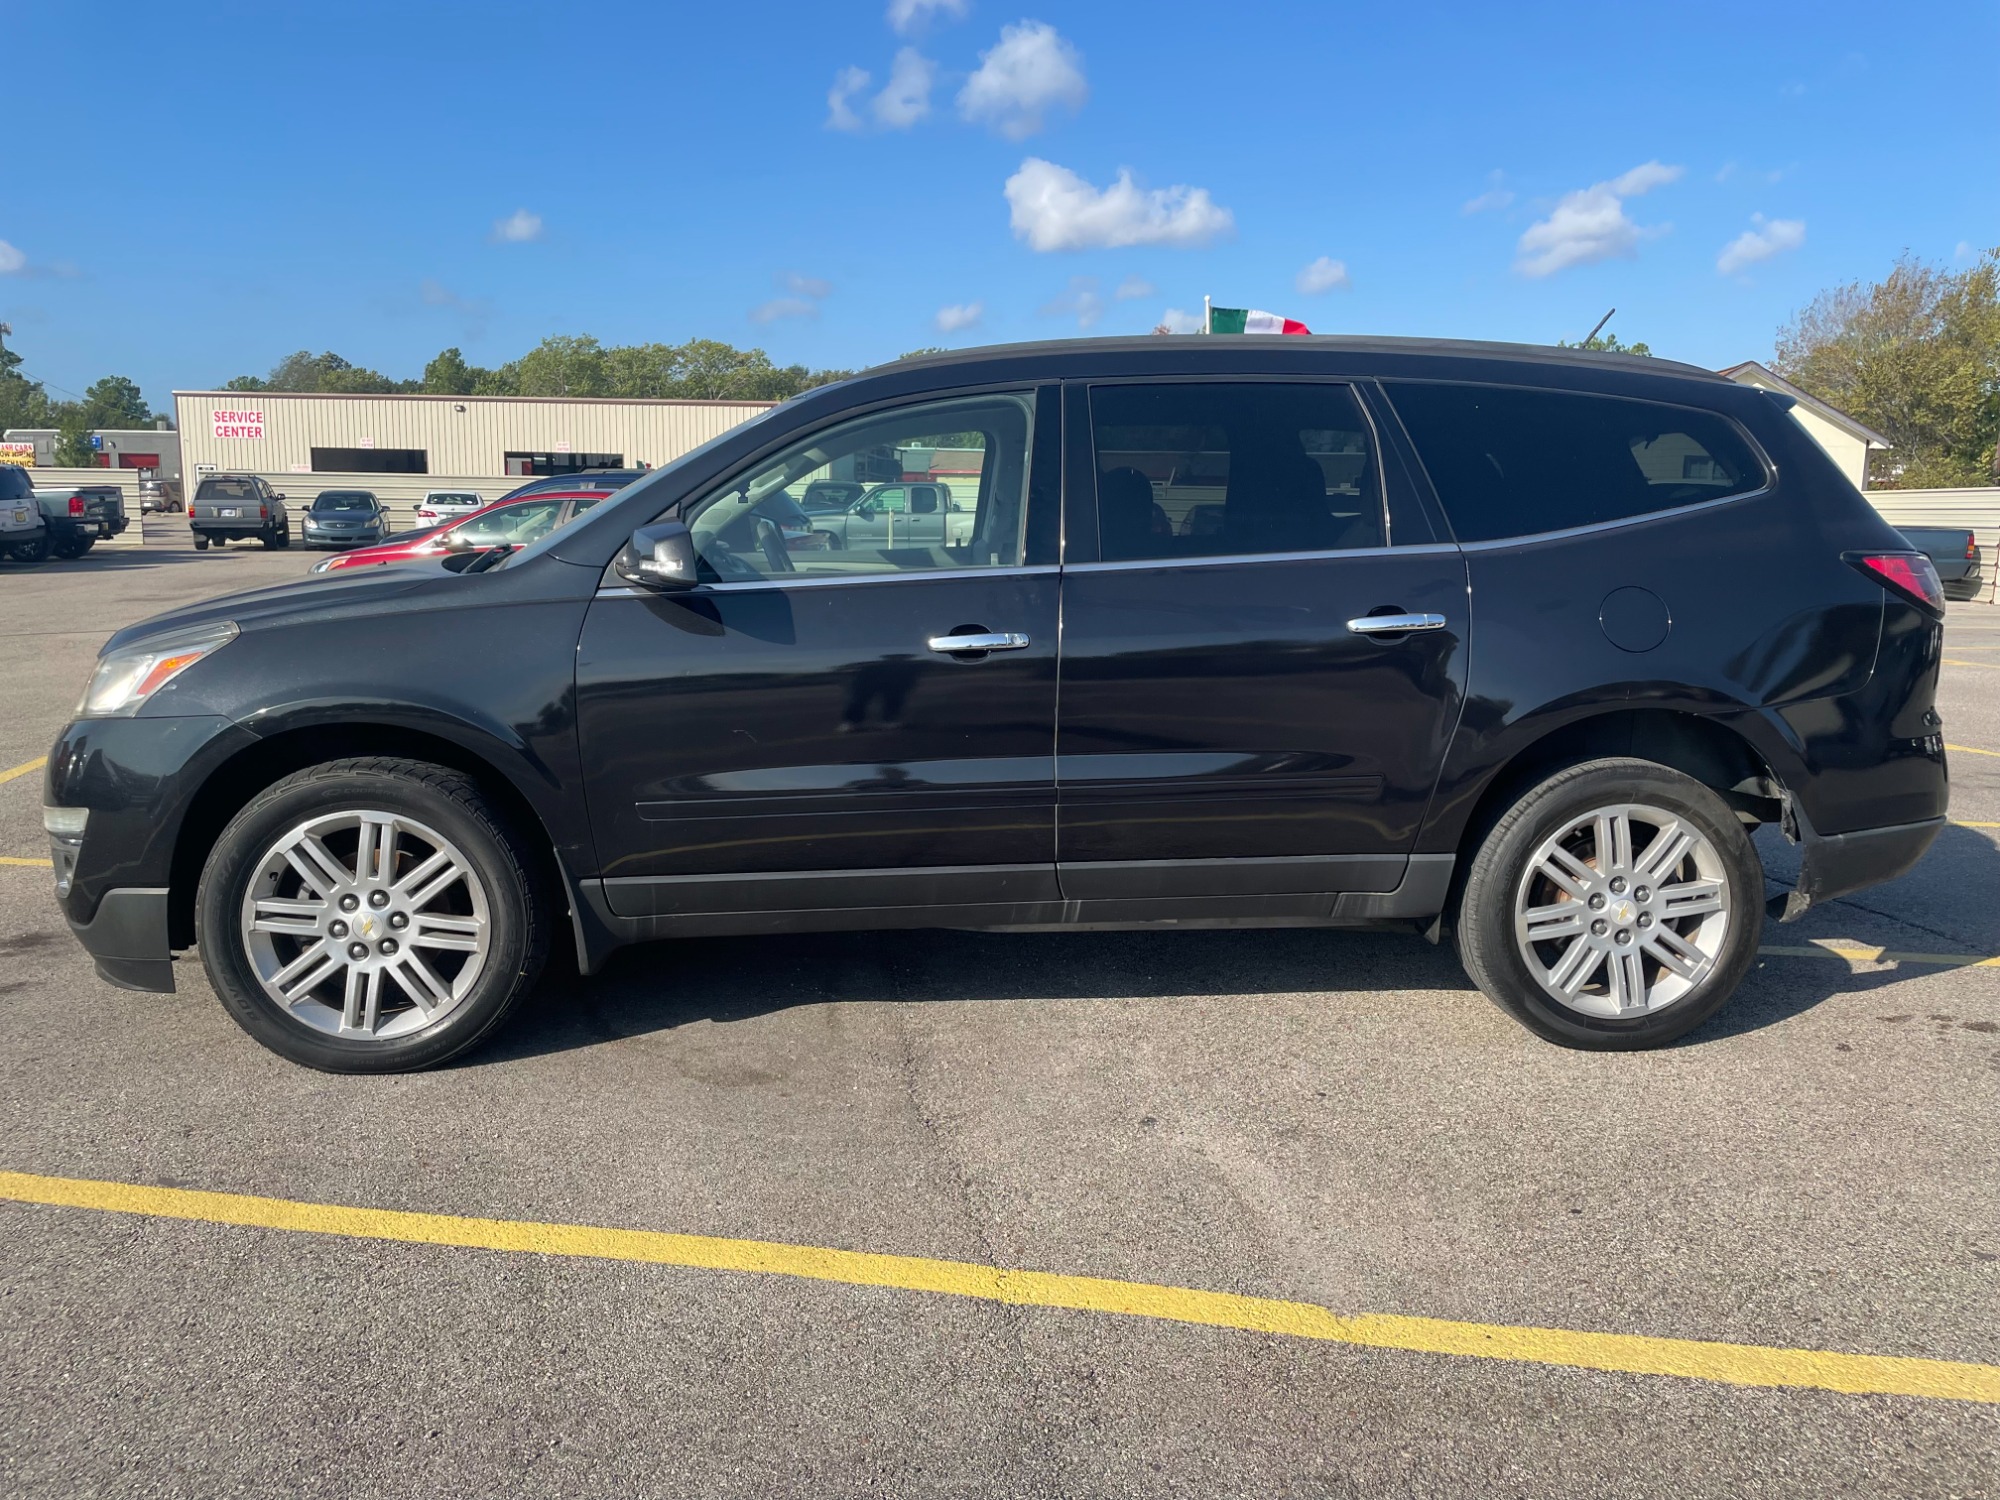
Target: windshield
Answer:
[[226, 489], [336, 500], [453, 497]]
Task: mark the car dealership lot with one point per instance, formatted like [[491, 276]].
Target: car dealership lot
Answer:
[[1334, 1119]]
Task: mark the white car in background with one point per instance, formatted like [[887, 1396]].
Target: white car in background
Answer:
[[439, 506]]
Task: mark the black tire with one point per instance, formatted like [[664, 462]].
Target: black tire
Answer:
[[30, 552], [200, 541], [1484, 928], [269, 537], [75, 547], [446, 800]]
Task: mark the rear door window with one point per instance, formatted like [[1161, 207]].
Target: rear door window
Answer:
[[1237, 469], [1511, 462]]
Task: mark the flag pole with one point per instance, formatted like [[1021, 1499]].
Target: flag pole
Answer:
[[1207, 315]]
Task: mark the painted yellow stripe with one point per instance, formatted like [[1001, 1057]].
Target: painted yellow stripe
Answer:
[[1957, 824], [1872, 955], [1729, 1364], [40, 864], [24, 768], [1970, 750], [1952, 661]]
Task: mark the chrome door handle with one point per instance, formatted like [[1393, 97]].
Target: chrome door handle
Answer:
[[1394, 624], [996, 640]]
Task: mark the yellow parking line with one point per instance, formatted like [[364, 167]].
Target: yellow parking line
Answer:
[[1970, 750], [40, 864], [1638, 1354], [24, 768], [1957, 824], [1952, 661], [1873, 955]]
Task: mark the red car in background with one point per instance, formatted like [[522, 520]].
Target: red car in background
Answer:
[[503, 523]]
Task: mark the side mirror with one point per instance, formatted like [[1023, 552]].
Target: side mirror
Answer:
[[457, 541], [660, 556]]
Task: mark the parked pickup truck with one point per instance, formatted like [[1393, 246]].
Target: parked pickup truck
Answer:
[[242, 506], [903, 514], [81, 516], [1955, 551]]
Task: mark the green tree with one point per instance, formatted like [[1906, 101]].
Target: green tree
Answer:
[[312, 373], [115, 402], [563, 365], [73, 424], [23, 402], [449, 375], [1916, 356], [1608, 343]]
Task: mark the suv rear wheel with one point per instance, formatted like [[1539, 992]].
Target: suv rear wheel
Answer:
[[1616, 906], [370, 916]]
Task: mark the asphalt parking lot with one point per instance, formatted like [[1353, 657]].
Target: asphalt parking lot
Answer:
[[1424, 1221]]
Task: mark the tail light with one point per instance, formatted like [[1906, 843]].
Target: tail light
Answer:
[[76, 505], [263, 512], [1910, 574], [1971, 547]]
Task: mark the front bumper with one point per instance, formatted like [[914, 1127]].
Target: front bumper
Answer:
[[1838, 864], [314, 537], [127, 939]]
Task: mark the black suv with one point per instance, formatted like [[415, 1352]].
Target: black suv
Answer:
[[1474, 640]]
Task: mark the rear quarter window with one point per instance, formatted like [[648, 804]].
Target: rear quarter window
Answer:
[[14, 483], [1511, 462]]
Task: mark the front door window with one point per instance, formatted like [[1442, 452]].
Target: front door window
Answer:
[[773, 521]]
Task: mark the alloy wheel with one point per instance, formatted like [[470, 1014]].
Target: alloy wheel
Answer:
[[366, 925], [1623, 911]]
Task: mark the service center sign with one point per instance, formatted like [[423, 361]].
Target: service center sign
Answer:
[[238, 424]]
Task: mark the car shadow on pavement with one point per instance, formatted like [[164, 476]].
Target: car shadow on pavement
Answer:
[[129, 558], [662, 986]]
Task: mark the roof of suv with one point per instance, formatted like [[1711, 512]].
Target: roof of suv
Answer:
[[1340, 343]]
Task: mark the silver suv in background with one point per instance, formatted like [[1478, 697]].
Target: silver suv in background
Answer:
[[238, 507]]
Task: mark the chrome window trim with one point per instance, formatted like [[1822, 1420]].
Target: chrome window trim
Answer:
[[1531, 537], [794, 581], [1133, 564]]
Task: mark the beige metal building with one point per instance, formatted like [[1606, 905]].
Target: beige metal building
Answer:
[[341, 439]]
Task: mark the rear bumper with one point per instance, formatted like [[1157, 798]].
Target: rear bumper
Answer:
[[127, 939], [1838, 864]]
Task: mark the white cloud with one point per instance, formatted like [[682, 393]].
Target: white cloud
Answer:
[[1496, 195], [784, 307], [804, 286], [906, 97], [1643, 179], [1963, 250], [959, 315], [518, 228], [1082, 301], [1054, 209], [1764, 239], [1133, 287], [1591, 224], [1030, 72], [11, 260], [907, 17], [1176, 321], [840, 113], [1726, 171], [1323, 275]]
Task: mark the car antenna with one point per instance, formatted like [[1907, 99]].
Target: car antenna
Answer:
[[1598, 329]]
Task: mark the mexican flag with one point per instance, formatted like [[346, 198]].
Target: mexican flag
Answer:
[[1249, 320]]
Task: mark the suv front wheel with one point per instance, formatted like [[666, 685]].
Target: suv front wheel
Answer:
[[1615, 906], [370, 916]]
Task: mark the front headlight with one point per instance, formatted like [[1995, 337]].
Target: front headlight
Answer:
[[126, 678]]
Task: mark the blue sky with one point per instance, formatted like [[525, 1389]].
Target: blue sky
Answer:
[[227, 183]]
